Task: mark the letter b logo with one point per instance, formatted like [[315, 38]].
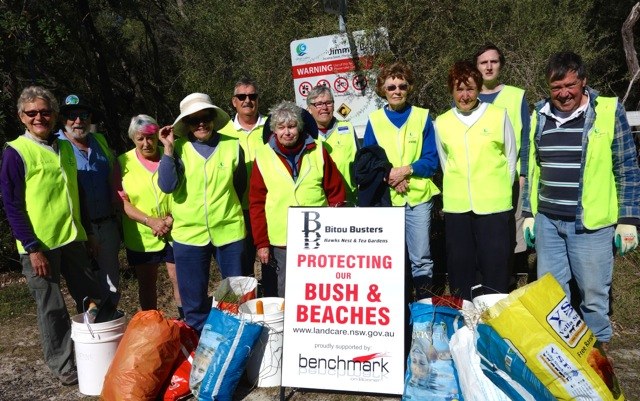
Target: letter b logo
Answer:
[[311, 230]]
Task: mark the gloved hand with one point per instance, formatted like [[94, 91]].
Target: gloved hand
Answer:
[[626, 238], [528, 229]]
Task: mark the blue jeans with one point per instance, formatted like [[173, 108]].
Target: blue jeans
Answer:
[[586, 256], [417, 231], [192, 271]]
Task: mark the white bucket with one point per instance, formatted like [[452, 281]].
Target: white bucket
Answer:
[[483, 302], [264, 368], [95, 347]]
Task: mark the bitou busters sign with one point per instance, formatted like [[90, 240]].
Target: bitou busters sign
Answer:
[[344, 313], [347, 68]]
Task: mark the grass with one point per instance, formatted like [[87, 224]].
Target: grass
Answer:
[[16, 302]]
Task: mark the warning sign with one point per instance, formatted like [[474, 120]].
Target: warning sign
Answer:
[[347, 68], [344, 110], [341, 84], [359, 82], [304, 88]]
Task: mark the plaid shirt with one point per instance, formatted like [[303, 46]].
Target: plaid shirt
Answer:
[[625, 163]]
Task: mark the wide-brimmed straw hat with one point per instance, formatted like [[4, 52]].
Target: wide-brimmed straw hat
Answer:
[[193, 103]]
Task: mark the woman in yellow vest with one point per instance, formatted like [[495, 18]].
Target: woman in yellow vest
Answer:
[[477, 150], [291, 169], [200, 170], [407, 135], [40, 195], [147, 221]]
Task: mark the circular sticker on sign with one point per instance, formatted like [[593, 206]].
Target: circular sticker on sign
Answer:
[[304, 88], [341, 84]]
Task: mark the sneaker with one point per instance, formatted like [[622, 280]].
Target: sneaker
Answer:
[[69, 378]]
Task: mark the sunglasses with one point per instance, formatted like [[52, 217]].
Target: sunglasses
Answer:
[[195, 120], [32, 113], [402, 87], [243, 96], [75, 114]]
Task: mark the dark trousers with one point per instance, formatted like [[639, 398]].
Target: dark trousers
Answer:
[[477, 243], [70, 261]]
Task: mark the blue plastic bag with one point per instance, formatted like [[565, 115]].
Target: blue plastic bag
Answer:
[[431, 374], [500, 363], [221, 356]]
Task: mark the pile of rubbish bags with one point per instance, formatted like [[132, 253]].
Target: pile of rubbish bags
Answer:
[[529, 346]]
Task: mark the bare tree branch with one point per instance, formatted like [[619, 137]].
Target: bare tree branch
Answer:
[[629, 48]]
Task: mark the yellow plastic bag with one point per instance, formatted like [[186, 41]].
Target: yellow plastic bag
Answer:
[[556, 344]]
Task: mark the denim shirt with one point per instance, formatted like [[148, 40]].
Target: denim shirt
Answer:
[[94, 176]]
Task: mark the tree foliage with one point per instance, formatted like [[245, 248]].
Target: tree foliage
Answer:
[[144, 56]]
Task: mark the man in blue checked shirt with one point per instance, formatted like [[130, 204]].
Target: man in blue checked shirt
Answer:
[[582, 193]]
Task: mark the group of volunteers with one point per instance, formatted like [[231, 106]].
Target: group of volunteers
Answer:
[[563, 179]]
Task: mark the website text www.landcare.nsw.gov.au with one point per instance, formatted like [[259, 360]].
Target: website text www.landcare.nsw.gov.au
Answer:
[[344, 332]]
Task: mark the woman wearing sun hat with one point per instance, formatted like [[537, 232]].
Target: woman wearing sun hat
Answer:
[[147, 221], [200, 169]]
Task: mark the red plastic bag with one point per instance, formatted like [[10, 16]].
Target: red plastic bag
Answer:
[[143, 360], [177, 388]]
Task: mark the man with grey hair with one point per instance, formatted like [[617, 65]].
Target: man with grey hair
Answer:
[[339, 137], [287, 172], [95, 163], [246, 126]]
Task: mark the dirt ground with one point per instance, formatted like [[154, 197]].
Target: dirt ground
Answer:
[[24, 377]]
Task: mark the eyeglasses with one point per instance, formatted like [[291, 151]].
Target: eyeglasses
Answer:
[[81, 114], [243, 96], [402, 87], [195, 120], [326, 104], [44, 113]]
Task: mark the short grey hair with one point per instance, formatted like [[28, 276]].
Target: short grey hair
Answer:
[[285, 112], [31, 93], [318, 90], [246, 81], [139, 122]]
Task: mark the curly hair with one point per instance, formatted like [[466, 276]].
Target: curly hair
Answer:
[[463, 71], [31, 93], [285, 112], [396, 70]]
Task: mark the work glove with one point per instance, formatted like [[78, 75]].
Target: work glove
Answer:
[[528, 229], [626, 238]]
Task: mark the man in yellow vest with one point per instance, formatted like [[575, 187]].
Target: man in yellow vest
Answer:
[[95, 161], [339, 137], [582, 194], [490, 60], [291, 169], [40, 196], [247, 126]]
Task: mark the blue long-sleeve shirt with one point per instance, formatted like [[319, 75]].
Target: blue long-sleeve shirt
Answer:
[[428, 162]]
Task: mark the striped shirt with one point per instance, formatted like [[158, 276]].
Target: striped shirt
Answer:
[[623, 153], [560, 153]]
